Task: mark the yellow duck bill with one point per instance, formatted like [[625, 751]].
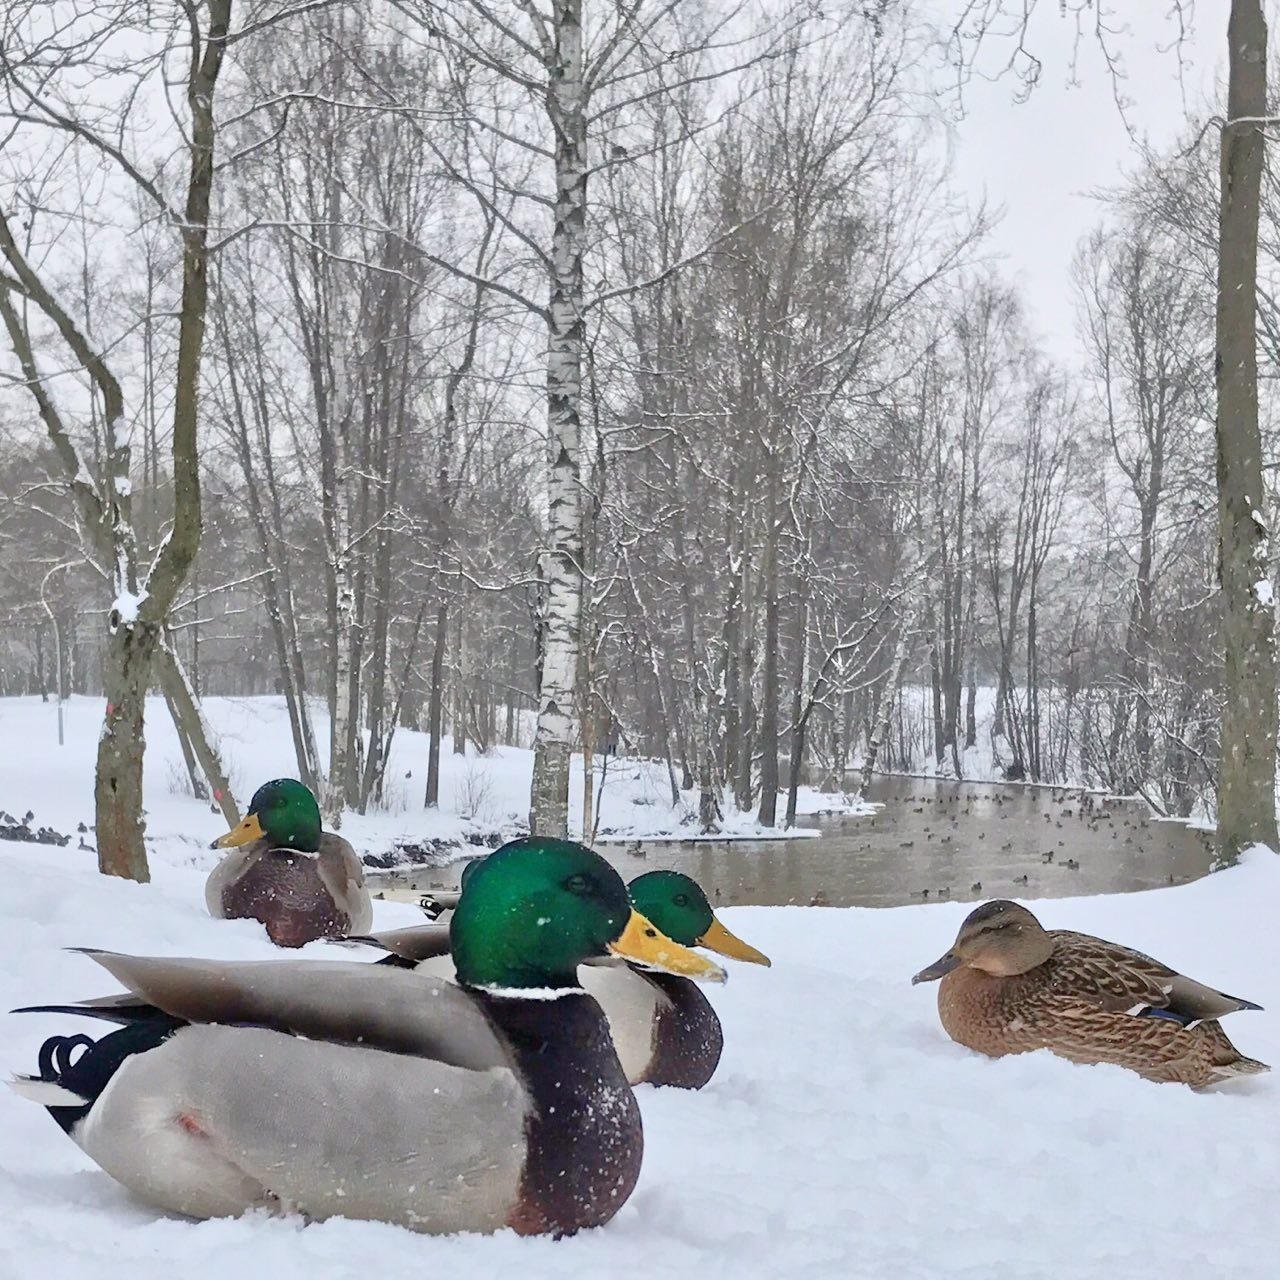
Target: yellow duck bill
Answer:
[[249, 830], [644, 943], [721, 941]]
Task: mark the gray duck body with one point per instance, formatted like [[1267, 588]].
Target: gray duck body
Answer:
[[350, 1090]]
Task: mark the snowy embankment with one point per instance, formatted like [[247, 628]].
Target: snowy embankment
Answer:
[[978, 763], [843, 1136], [482, 797]]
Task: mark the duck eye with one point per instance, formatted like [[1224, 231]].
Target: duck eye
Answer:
[[579, 884], [681, 900]]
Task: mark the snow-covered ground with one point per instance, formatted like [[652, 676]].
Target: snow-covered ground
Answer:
[[480, 795], [978, 763], [843, 1136]]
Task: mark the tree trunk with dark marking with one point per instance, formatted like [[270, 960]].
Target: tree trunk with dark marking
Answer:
[[1246, 782]]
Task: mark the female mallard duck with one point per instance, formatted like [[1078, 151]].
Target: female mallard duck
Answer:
[[1011, 986], [354, 1090], [301, 882], [664, 1029]]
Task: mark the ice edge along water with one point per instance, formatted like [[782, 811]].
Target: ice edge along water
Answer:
[[843, 1135]]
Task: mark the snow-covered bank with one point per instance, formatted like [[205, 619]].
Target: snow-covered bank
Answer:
[[482, 797], [843, 1136]]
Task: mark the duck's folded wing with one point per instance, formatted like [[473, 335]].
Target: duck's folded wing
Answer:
[[400, 1011], [342, 874], [418, 942], [1122, 980]]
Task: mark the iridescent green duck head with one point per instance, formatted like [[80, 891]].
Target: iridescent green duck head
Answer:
[[284, 812], [533, 911], [677, 905]]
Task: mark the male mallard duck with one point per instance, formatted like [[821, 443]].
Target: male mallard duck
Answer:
[[664, 1029], [354, 1090], [301, 882], [1011, 986]]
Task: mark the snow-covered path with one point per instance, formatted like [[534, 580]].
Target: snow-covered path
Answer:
[[843, 1136]]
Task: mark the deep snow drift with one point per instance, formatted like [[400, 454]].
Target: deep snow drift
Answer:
[[843, 1136], [480, 795]]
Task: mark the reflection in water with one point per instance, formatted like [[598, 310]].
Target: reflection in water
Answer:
[[932, 841]]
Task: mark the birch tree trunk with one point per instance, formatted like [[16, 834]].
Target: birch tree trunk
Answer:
[[339, 408], [344, 613], [588, 742], [1246, 781], [562, 560], [743, 659]]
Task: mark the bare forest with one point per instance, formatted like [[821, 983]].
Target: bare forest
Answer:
[[618, 379]]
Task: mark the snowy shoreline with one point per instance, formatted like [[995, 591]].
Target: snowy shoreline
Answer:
[[844, 1136], [484, 798]]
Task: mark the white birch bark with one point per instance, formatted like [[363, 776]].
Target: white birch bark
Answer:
[[340, 405], [343, 568], [562, 559]]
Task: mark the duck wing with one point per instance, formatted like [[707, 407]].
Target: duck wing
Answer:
[[342, 874], [418, 942], [1121, 980], [398, 1011]]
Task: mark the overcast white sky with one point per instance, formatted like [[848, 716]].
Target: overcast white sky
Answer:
[[1041, 158]]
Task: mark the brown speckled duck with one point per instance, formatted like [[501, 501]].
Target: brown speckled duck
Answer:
[[301, 882], [1011, 986]]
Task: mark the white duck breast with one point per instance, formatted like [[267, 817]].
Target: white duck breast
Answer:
[[631, 1003]]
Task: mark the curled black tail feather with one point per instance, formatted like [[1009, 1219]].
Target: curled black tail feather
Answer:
[[55, 1055], [89, 1073]]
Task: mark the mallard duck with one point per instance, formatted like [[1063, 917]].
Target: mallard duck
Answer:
[[354, 1090], [665, 1031], [301, 882], [1011, 986]]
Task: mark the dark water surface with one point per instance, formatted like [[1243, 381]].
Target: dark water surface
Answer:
[[932, 841]]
